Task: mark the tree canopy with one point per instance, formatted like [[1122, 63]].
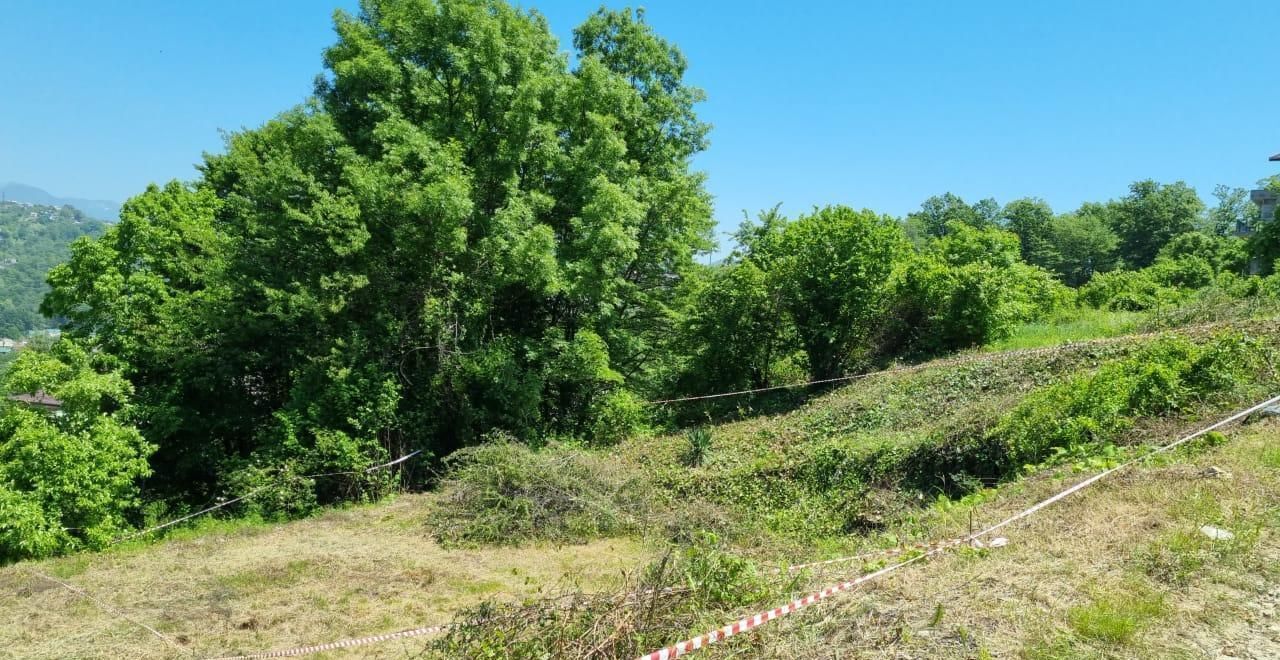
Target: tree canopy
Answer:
[[459, 233]]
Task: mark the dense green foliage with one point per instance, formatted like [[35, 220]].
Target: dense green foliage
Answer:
[[460, 233], [67, 480], [33, 239]]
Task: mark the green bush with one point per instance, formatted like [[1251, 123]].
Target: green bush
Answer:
[[68, 479], [720, 579], [1126, 290], [1184, 272], [735, 330], [1224, 254], [617, 416], [941, 306], [503, 492], [1095, 409]]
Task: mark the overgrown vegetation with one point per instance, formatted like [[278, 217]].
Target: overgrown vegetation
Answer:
[[840, 467], [504, 492], [70, 480]]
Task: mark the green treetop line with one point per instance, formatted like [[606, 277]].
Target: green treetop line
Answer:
[[461, 233]]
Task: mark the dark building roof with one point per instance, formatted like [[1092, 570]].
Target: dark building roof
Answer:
[[38, 399]]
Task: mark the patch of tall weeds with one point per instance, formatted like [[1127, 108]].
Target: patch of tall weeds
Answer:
[[504, 492]]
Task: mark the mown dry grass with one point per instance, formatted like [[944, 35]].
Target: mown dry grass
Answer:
[[347, 573]]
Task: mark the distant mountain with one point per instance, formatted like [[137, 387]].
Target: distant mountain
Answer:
[[94, 208], [33, 239]]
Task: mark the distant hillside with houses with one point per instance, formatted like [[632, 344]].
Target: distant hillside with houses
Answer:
[[33, 238], [98, 209]]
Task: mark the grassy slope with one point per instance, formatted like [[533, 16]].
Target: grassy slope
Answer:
[[1120, 570], [374, 569], [244, 588]]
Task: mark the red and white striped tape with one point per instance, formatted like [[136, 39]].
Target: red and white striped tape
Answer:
[[754, 621], [341, 644]]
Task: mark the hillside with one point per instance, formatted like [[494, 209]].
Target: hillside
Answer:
[[98, 209], [33, 239], [534, 551]]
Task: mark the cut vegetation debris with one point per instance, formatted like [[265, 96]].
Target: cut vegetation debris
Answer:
[[906, 458]]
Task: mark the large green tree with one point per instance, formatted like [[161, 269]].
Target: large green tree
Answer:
[[459, 233], [834, 266], [1150, 215], [938, 211], [1031, 220], [1083, 244]]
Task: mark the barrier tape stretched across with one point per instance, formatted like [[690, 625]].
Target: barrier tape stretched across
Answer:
[[759, 619], [253, 492], [343, 644], [960, 360]]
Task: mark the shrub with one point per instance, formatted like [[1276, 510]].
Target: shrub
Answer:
[[1184, 272], [720, 579], [699, 444], [503, 492], [735, 330], [68, 479], [1227, 254], [617, 416], [1125, 290], [942, 305]]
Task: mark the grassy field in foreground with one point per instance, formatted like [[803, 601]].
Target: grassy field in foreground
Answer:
[[346, 573]]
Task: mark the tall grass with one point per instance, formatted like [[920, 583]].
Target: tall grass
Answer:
[[1072, 325]]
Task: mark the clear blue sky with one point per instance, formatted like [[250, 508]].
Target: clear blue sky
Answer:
[[876, 104]]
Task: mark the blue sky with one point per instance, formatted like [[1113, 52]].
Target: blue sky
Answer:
[[875, 104]]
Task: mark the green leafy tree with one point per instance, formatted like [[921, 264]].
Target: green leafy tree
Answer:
[[152, 292], [1032, 220], [1222, 253], [1150, 215], [68, 479], [1083, 245], [459, 233], [735, 330], [834, 265], [1232, 212], [965, 244], [937, 212]]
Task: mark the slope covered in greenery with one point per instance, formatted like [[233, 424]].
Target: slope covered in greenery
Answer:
[[33, 239], [534, 551]]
